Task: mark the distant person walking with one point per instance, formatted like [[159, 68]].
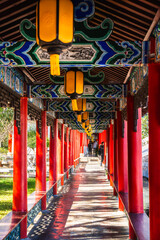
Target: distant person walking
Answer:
[[95, 148], [90, 148], [101, 152]]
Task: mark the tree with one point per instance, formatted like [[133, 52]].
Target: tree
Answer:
[[6, 123], [31, 140]]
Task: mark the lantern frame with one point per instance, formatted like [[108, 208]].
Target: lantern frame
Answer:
[[73, 95], [54, 46]]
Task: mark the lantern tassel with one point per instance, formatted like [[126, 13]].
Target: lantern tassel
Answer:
[[74, 105], [54, 63]]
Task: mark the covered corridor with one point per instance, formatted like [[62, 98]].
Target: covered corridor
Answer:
[[85, 71]]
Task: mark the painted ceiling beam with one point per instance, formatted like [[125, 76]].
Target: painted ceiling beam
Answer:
[[91, 105], [90, 91], [95, 117], [84, 54]]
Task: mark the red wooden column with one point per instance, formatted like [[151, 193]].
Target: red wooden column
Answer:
[[71, 148], [154, 150], [66, 163], [51, 156], [115, 165], [105, 146], [72, 151], [55, 159], [122, 157], [20, 165], [62, 152], [81, 142], [41, 149], [73, 145], [135, 181], [111, 151], [76, 147], [108, 137]]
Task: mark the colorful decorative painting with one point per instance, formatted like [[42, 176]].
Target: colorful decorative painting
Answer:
[[137, 78], [90, 91], [23, 54], [91, 105], [12, 79]]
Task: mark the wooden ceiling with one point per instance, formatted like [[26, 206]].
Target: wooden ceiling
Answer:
[[113, 75], [132, 20]]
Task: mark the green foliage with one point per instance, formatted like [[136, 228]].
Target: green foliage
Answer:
[[31, 140], [6, 191], [7, 114], [3, 150], [5, 143], [145, 126], [6, 124], [47, 142]]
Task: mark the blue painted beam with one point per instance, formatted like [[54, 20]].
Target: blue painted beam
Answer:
[[85, 54], [90, 91], [95, 105]]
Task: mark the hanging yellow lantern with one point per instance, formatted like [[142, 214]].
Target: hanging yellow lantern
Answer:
[[85, 116], [81, 104], [87, 123], [54, 28], [73, 86]]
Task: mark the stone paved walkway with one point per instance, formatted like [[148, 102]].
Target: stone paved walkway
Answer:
[[86, 209]]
